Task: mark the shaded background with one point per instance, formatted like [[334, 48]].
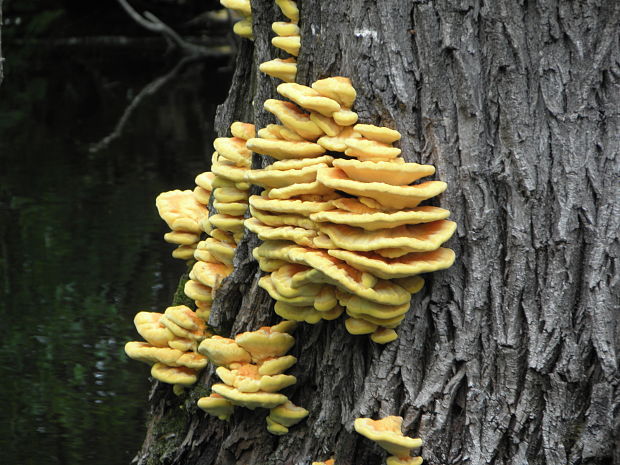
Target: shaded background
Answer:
[[81, 248]]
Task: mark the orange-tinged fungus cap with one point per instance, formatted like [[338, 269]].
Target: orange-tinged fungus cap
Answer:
[[406, 265], [285, 29], [233, 149], [387, 433], [182, 344], [198, 291], [289, 9], [210, 274], [290, 44], [226, 169], [281, 69], [193, 360], [391, 197], [325, 299], [217, 406], [369, 149], [185, 318], [420, 237], [396, 174], [294, 119], [223, 351], [308, 98], [174, 375], [148, 325], [180, 332], [265, 343], [378, 133], [278, 132], [180, 210], [246, 378], [288, 414], [285, 149], [243, 130], [205, 180], [380, 220], [250, 400], [337, 88]]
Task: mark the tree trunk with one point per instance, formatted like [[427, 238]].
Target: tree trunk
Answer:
[[1, 59], [511, 355]]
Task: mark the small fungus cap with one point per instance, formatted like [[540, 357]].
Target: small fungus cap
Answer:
[[146, 353], [308, 98], [174, 375], [285, 149], [243, 130], [217, 406], [250, 400], [393, 460], [180, 210], [383, 336], [264, 343], [284, 29], [396, 174], [288, 414], [223, 351], [289, 9], [275, 428], [378, 133], [290, 44], [337, 88], [275, 366], [285, 69], [293, 118], [246, 378], [387, 433], [148, 325]]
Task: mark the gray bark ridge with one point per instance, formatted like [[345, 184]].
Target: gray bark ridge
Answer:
[[510, 356]]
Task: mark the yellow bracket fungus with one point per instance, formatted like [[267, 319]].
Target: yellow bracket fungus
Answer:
[[387, 433], [217, 406], [284, 29], [285, 149], [290, 44], [289, 9], [284, 69], [294, 119]]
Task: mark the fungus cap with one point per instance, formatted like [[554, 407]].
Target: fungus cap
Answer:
[[205, 180], [369, 149], [283, 178], [285, 149], [288, 414], [277, 233], [359, 326], [387, 433], [337, 88], [202, 195], [299, 301], [345, 117], [285, 69], [185, 318], [149, 354], [242, 7], [250, 400], [289, 9], [275, 428], [148, 325], [406, 265], [337, 143], [245, 378], [180, 210], [233, 149], [223, 351], [396, 174], [290, 44], [265, 343], [284, 29], [243, 130], [383, 336], [243, 29], [174, 375], [308, 98], [306, 314], [299, 207], [275, 366], [293, 118], [376, 220], [217, 406]]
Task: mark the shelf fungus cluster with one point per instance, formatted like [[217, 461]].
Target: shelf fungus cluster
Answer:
[[340, 215], [214, 255], [184, 213], [252, 367], [387, 433], [242, 8], [287, 38], [172, 340]]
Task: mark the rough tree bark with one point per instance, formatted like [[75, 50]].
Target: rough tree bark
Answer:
[[510, 356]]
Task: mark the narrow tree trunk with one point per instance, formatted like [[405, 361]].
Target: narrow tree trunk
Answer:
[[510, 356], [1, 59]]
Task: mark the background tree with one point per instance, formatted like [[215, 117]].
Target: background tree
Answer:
[[510, 356]]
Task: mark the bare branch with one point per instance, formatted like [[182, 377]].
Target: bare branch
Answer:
[[149, 90], [153, 23]]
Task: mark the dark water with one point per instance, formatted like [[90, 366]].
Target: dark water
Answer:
[[81, 248]]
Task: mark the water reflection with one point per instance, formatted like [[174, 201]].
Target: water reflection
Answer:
[[81, 251]]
